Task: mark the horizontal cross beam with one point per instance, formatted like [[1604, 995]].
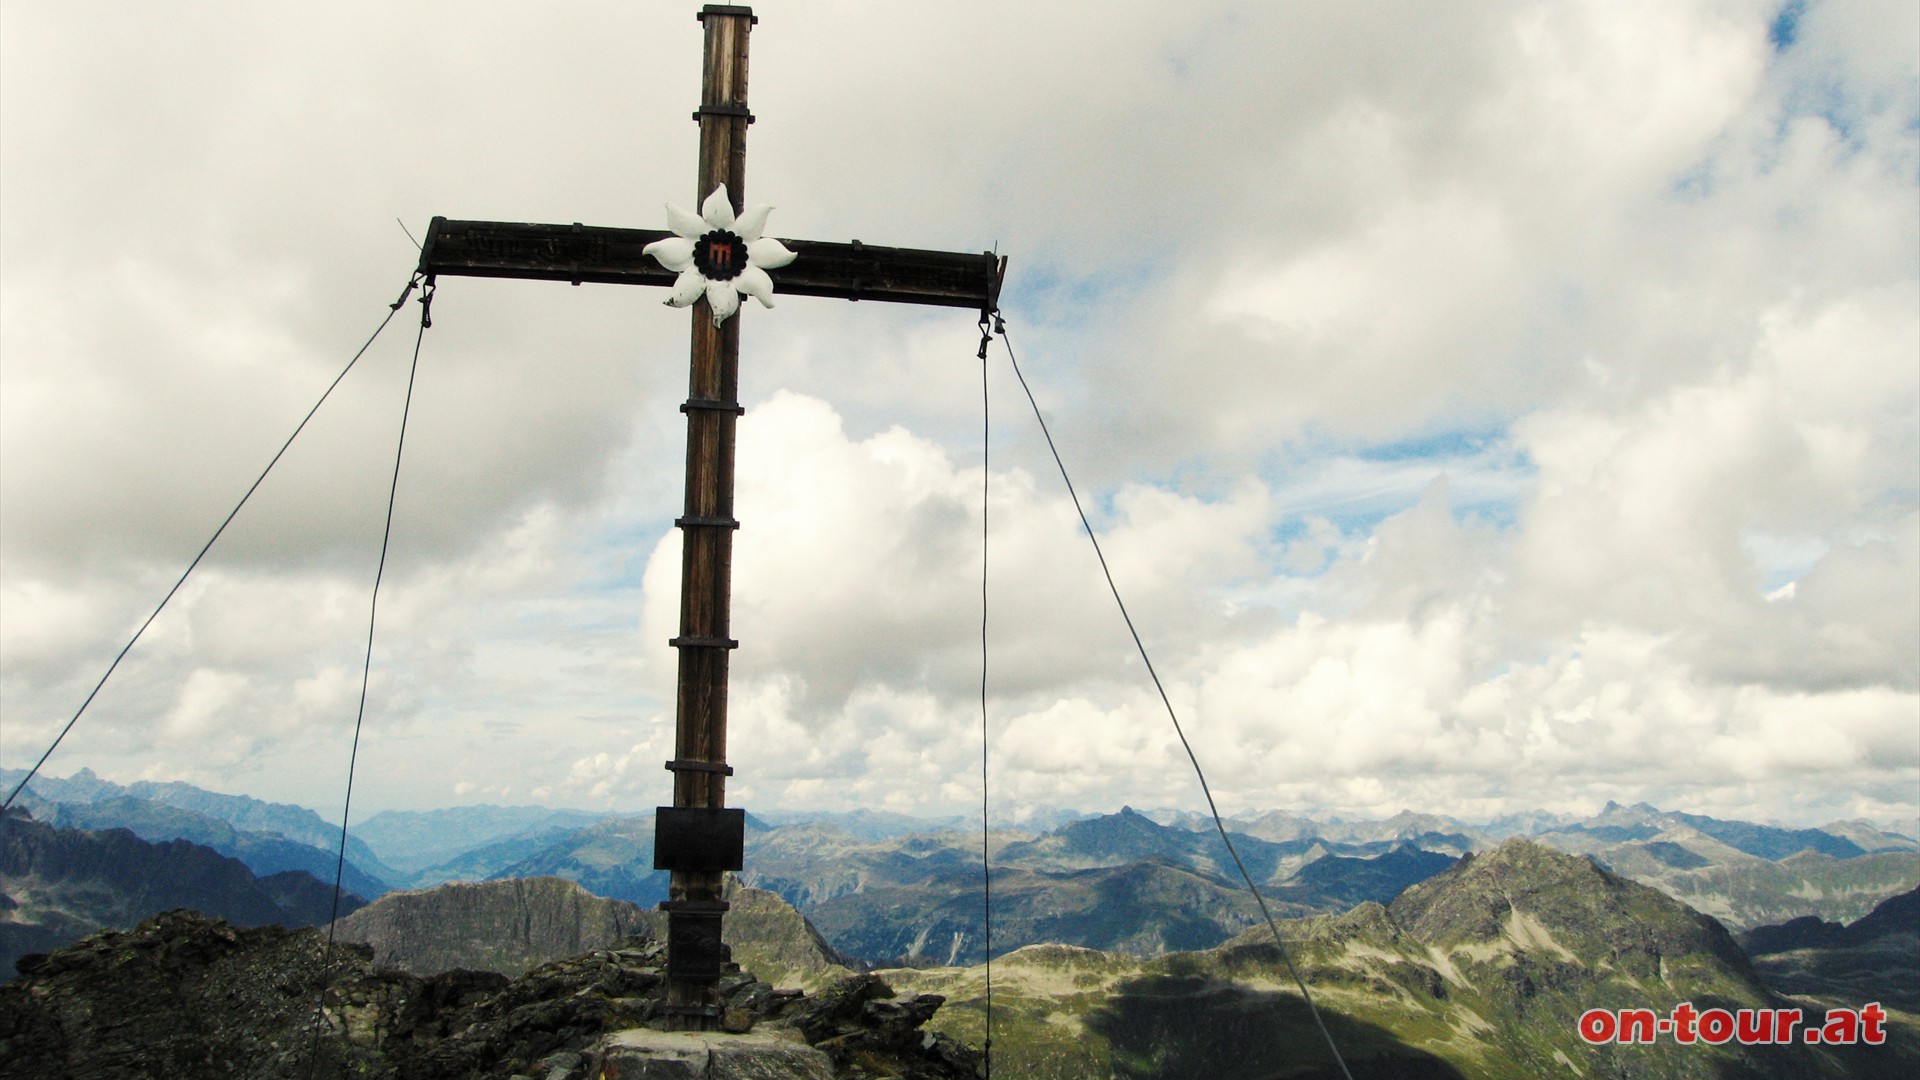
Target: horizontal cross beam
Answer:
[[580, 253]]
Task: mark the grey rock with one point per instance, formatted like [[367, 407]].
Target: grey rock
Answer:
[[559, 1066], [664, 1055], [504, 926]]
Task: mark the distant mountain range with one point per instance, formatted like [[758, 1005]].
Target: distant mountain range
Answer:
[[885, 888], [418, 841], [268, 837], [1120, 882], [58, 885], [1120, 949], [1741, 873]]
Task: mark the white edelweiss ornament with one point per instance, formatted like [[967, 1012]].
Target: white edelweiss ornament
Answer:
[[719, 256]]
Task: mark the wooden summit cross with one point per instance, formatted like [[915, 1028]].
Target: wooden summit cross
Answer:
[[698, 838]]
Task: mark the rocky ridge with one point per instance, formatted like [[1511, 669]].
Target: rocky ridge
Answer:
[[512, 925], [500, 926], [192, 998]]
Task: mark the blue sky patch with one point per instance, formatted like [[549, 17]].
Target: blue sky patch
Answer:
[[1785, 28], [1487, 480], [1441, 444], [1045, 296]]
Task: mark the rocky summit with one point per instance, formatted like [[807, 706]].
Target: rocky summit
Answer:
[[513, 925], [186, 997], [504, 926]]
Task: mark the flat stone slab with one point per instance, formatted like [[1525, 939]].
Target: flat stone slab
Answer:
[[642, 1054]]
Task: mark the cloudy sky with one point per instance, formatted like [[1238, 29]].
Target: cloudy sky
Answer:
[[1483, 406]]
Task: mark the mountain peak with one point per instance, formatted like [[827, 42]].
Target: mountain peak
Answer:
[[1527, 893]]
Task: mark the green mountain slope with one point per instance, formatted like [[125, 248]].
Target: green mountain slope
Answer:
[[1756, 892], [814, 862], [1144, 909], [1482, 971], [1875, 958], [774, 941]]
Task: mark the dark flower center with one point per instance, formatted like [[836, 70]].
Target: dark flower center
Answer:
[[720, 255]]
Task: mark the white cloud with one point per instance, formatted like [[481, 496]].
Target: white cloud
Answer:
[[1480, 406]]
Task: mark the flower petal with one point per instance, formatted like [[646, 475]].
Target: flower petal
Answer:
[[675, 252], [723, 299], [718, 209], [752, 222], [768, 254], [685, 224], [754, 282], [687, 288]]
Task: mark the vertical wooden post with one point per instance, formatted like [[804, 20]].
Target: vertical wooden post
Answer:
[[707, 527]]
